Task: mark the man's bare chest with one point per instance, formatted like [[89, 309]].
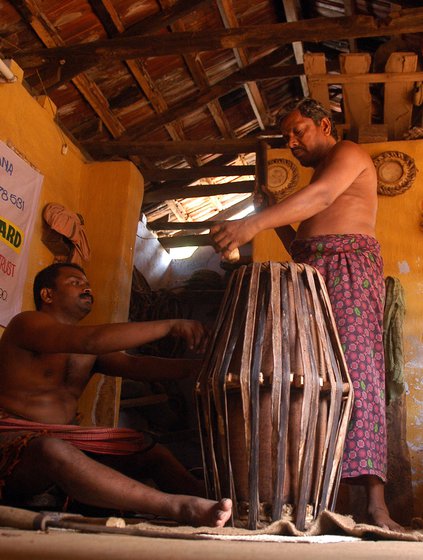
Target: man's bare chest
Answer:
[[70, 370]]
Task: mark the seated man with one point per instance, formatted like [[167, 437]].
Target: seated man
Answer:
[[46, 361]]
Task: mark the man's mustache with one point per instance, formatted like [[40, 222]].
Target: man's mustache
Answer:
[[87, 295]]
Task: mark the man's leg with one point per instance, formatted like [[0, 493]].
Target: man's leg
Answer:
[[159, 465], [49, 461]]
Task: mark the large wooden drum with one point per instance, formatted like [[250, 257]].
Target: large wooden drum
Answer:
[[274, 397]]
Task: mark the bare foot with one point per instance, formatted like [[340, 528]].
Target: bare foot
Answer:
[[201, 512], [381, 518], [377, 508]]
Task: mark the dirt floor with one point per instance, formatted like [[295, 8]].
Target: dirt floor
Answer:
[[67, 545]]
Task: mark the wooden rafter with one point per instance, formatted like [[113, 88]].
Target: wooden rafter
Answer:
[[161, 225], [189, 175], [89, 90], [137, 69], [292, 14], [200, 78], [258, 105], [160, 195], [313, 30], [261, 69], [167, 149]]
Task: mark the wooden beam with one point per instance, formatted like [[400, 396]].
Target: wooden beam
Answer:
[[87, 88], [291, 9], [168, 16], [193, 174], [106, 10], [166, 149], [357, 98], [200, 79], [225, 86], [398, 97], [377, 78], [160, 195], [350, 10], [230, 21], [314, 30], [315, 63], [221, 160], [261, 178], [186, 241], [161, 225]]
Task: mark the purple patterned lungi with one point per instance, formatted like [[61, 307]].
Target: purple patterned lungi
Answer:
[[352, 268]]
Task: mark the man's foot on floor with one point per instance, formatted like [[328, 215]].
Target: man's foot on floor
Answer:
[[201, 512]]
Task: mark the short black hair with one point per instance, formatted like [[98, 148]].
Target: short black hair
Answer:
[[46, 278], [311, 109]]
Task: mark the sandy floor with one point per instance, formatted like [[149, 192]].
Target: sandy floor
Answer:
[[58, 544]]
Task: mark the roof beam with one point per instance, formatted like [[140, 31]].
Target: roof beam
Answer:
[[160, 195], [258, 105], [110, 20], [200, 79], [167, 149], [88, 89], [190, 175], [258, 70], [161, 225], [314, 30], [292, 14]]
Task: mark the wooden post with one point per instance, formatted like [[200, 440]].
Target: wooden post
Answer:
[[398, 103], [357, 98], [261, 167], [316, 64]]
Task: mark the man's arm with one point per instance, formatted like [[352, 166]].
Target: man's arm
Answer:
[[342, 167], [146, 368], [39, 332]]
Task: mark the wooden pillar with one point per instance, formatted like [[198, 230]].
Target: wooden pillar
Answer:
[[398, 104], [357, 98], [316, 64]]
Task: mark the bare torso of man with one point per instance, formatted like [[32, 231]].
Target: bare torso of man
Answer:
[[42, 387], [355, 209]]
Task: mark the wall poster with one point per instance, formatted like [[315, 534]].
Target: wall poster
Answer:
[[20, 187]]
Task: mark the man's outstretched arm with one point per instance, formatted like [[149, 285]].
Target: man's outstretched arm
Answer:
[[146, 368], [39, 332]]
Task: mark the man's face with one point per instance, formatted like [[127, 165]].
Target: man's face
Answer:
[[305, 139], [72, 291]]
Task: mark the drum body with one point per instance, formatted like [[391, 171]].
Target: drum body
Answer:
[[274, 397]]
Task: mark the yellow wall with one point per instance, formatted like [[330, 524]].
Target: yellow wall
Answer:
[[400, 233], [108, 195]]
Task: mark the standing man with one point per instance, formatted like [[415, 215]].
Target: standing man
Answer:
[[336, 235], [46, 361]]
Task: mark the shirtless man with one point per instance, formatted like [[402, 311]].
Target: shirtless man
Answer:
[[46, 361], [336, 235]]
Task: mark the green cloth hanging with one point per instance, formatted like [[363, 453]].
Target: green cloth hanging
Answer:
[[393, 320]]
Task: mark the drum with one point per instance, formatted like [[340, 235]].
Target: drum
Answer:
[[274, 397]]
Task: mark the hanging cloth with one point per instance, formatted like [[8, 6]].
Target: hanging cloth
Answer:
[[71, 226], [393, 338]]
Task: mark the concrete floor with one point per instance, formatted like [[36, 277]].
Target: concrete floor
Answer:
[[66, 545]]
